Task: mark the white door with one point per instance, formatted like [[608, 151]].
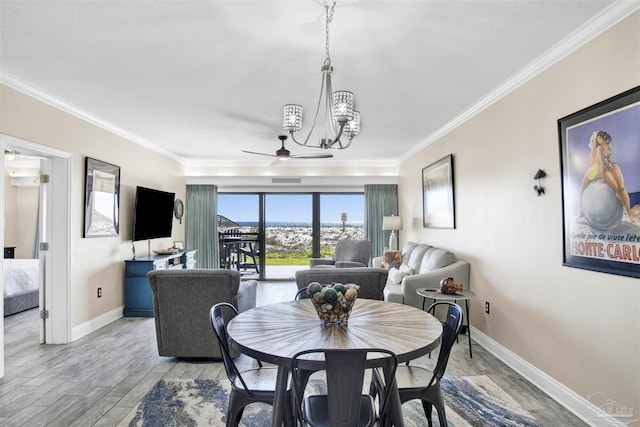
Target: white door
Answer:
[[44, 253]]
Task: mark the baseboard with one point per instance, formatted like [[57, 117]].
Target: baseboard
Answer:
[[96, 323], [581, 407]]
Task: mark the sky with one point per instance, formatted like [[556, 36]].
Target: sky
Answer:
[[292, 207]]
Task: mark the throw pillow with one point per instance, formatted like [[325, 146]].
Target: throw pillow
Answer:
[[395, 275], [405, 269]]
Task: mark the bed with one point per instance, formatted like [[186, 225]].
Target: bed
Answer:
[[21, 284]]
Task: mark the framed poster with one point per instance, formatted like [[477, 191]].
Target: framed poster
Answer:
[[437, 194], [101, 199], [600, 167]]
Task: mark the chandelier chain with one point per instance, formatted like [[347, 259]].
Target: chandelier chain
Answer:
[[329, 18]]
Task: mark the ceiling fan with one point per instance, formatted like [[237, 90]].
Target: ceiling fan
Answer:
[[284, 154]]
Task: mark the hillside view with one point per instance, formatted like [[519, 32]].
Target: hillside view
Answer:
[[290, 245]]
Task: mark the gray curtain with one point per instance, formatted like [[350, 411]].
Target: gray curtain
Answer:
[[201, 227], [380, 200]]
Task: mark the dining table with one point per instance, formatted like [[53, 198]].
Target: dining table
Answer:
[[274, 333]]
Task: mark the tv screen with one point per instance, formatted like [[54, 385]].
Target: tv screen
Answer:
[[153, 214]]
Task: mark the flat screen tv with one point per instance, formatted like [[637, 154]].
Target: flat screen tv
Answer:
[[153, 214]]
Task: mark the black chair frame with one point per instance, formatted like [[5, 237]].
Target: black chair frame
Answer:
[[343, 405], [430, 394], [244, 390]]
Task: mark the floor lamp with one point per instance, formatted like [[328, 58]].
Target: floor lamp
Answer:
[[392, 223]]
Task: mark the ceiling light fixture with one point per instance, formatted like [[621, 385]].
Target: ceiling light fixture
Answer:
[[340, 117]]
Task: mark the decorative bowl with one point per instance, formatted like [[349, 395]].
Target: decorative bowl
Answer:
[[333, 302]]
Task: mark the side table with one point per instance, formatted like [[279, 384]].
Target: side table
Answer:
[[436, 295]]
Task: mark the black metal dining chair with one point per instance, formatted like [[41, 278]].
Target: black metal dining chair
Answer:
[[413, 381], [344, 404], [247, 386]]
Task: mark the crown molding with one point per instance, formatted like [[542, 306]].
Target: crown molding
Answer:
[[21, 86], [597, 25]]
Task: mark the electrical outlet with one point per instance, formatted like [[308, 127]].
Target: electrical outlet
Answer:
[[99, 292], [487, 307]]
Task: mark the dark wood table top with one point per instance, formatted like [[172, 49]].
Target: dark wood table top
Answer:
[[274, 333]]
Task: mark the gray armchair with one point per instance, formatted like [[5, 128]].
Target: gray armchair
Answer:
[[347, 253], [181, 303]]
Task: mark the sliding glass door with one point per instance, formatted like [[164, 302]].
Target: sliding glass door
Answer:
[[288, 234], [286, 229]]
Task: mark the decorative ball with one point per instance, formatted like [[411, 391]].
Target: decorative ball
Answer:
[[600, 206], [339, 287], [330, 295], [313, 288], [351, 294]]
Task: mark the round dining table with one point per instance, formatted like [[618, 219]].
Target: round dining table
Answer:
[[274, 333]]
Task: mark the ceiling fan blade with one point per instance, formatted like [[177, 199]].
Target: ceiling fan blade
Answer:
[[260, 154], [311, 156]]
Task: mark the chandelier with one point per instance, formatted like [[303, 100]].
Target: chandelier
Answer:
[[341, 120]]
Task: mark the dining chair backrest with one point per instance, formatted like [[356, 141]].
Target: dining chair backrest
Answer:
[[345, 371], [219, 315], [302, 294], [451, 329]]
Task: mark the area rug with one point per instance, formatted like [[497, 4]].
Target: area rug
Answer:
[[474, 401]]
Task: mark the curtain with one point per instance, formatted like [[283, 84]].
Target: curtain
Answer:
[[201, 207], [380, 200]]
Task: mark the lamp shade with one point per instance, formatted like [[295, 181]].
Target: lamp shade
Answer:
[[391, 223]]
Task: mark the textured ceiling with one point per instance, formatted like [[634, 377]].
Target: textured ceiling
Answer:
[[203, 80]]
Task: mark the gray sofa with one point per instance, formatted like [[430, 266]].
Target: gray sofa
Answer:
[[371, 280], [346, 254], [181, 303], [423, 266]]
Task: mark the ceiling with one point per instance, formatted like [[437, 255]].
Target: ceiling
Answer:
[[203, 80]]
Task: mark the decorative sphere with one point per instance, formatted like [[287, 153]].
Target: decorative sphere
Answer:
[[600, 206], [339, 287], [313, 288], [330, 295]]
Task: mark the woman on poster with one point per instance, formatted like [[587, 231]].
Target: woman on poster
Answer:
[[602, 165]]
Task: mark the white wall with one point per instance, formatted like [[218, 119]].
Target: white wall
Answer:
[[20, 211], [581, 328]]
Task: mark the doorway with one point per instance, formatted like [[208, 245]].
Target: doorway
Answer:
[[54, 287]]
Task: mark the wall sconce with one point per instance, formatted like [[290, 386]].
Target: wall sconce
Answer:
[[539, 188]]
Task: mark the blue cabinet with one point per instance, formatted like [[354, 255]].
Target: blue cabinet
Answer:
[[137, 292]]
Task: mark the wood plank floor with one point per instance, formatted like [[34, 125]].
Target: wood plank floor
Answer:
[[98, 379]]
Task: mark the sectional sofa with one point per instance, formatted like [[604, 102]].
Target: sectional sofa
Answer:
[[421, 266]]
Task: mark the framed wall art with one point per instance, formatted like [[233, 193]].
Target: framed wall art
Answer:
[[600, 166], [101, 199], [437, 194]]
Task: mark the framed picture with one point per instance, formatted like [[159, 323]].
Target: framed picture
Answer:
[[437, 194], [600, 167], [101, 199]]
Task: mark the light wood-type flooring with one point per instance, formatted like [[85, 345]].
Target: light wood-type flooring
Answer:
[[98, 379]]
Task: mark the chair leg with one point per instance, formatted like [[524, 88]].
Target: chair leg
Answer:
[[428, 411], [442, 417], [235, 410]]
